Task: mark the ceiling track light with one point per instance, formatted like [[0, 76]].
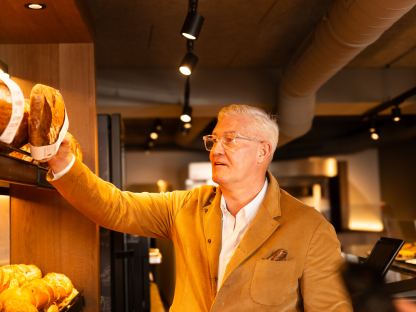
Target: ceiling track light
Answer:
[[193, 22], [35, 6], [374, 132], [157, 128], [186, 115], [188, 64], [192, 26], [189, 61], [396, 113]]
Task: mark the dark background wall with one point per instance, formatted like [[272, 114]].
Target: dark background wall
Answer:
[[398, 179]]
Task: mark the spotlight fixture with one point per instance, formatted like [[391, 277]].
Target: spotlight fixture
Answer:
[[157, 128], [373, 129], [186, 115], [192, 26], [35, 6], [375, 135], [396, 113], [188, 64], [193, 22], [374, 132], [153, 135]]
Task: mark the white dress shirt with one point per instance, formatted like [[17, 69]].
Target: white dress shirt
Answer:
[[61, 173], [233, 229]]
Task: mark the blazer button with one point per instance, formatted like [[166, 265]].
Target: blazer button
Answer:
[[209, 240]]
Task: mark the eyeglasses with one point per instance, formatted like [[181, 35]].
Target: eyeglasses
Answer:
[[228, 140]]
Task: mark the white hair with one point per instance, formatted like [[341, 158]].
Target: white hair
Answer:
[[266, 123]]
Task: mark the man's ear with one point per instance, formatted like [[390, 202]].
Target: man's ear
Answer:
[[264, 152]]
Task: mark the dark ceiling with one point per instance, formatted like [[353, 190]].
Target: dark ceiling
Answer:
[[137, 37]]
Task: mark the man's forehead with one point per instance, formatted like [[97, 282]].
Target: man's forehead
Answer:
[[232, 123]]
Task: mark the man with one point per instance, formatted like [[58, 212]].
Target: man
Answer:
[[245, 245]]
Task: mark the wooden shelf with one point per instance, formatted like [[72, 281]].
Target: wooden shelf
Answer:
[[18, 171]]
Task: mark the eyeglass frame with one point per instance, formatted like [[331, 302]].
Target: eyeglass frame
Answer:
[[232, 142]]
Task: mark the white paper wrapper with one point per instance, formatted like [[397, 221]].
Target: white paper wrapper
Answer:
[[18, 107], [44, 153]]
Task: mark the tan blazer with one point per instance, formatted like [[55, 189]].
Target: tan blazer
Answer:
[[307, 279]]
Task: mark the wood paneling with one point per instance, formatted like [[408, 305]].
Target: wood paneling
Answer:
[[77, 85], [45, 230], [61, 21], [48, 232]]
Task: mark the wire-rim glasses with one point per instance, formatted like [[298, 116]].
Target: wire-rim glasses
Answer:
[[228, 140]]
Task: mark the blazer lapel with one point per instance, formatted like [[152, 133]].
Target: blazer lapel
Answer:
[[212, 221], [264, 224]]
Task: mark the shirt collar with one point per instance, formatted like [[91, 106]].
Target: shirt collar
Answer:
[[248, 211]]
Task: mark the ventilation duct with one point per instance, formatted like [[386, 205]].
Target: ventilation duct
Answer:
[[349, 27]]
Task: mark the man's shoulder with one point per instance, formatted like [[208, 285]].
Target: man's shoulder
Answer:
[[202, 193], [293, 206]]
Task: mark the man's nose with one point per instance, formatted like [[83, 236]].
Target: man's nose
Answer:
[[217, 148]]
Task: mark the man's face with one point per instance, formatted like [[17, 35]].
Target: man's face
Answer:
[[238, 162]]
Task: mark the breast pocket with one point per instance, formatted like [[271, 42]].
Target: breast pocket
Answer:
[[273, 281]]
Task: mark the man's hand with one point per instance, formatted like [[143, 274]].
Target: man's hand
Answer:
[[64, 155]]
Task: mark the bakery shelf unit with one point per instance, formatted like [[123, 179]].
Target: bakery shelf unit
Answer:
[[19, 171]]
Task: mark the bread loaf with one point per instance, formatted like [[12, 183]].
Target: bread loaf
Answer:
[[47, 114], [6, 106], [48, 122]]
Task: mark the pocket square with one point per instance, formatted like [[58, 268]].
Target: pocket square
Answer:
[[278, 255]]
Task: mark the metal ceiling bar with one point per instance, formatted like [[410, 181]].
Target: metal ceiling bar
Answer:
[[386, 104]]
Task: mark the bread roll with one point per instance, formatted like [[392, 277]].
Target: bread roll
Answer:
[[52, 308], [61, 285], [47, 114], [15, 305], [42, 292], [16, 294], [21, 136], [27, 291], [16, 275]]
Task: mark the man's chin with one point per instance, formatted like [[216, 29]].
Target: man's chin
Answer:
[[217, 178]]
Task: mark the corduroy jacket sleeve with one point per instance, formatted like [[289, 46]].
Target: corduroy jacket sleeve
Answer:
[[145, 214], [321, 284]]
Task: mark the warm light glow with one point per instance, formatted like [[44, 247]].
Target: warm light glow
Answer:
[[154, 135], [185, 70], [162, 185], [186, 118], [317, 195], [331, 167], [363, 225], [4, 229], [187, 125], [188, 36], [396, 118], [35, 6], [375, 136]]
